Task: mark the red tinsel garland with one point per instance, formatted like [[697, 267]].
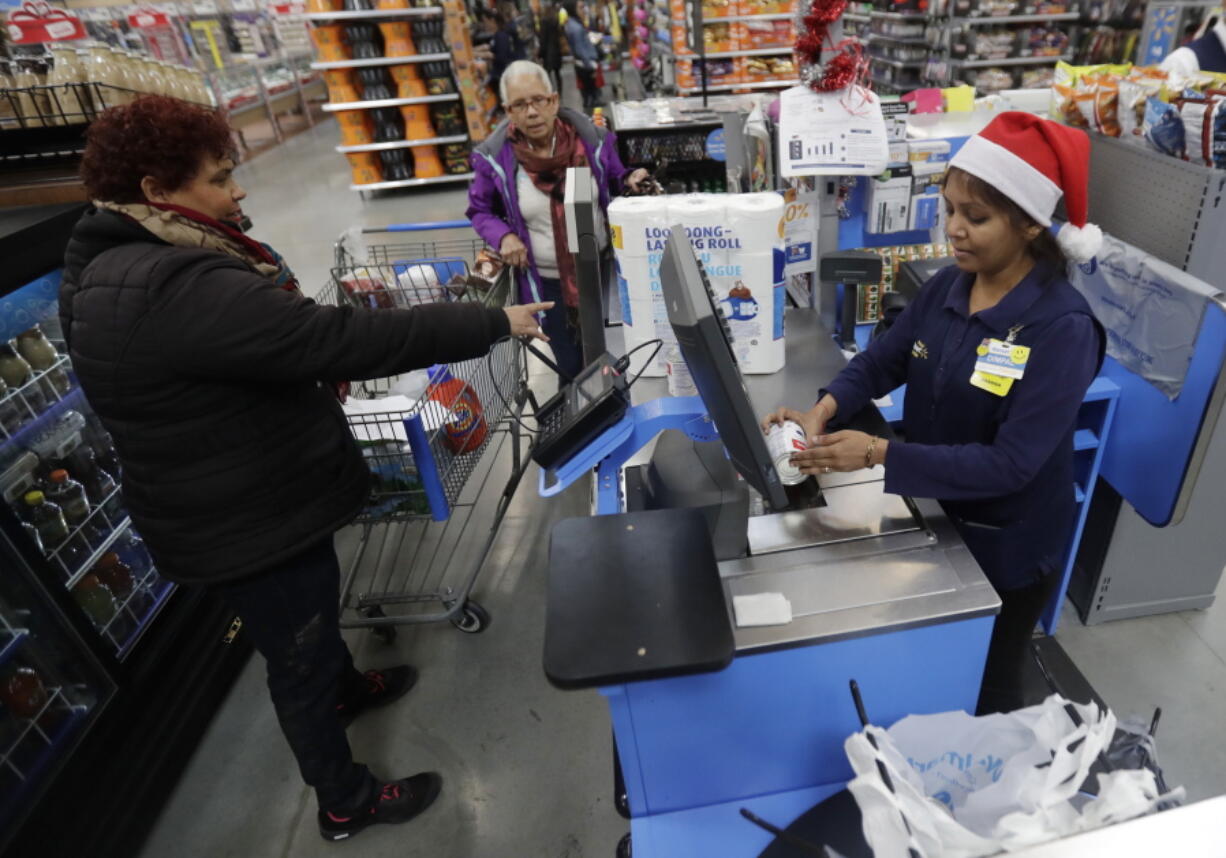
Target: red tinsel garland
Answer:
[[845, 67]]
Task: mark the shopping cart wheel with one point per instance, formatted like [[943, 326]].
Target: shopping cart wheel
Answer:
[[623, 847], [472, 618], [387, 634]]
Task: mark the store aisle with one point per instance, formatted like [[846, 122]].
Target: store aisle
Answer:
[[528, 769]]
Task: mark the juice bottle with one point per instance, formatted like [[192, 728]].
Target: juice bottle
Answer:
[[116, 575], [16, 372], [96, 599], [70, 497]]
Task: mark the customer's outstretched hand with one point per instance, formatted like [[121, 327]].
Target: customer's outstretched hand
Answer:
[[523, 319]]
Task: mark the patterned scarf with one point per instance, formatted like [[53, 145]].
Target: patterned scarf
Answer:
[[548, 174], [184, 227]]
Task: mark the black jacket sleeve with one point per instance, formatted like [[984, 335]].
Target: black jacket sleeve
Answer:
[[218, 319]]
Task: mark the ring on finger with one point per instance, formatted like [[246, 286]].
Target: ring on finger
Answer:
[[826, 469]]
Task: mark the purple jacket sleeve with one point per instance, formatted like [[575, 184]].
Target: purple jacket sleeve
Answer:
[[878, 369], [482, 194], [613, 166], [1062, 365]]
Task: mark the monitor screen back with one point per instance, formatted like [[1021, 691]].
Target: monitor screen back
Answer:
[[704, 339]]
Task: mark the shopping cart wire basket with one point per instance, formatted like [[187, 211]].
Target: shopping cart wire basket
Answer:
[[434, 440]]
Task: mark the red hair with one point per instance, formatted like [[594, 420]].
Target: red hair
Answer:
[[153, 136]]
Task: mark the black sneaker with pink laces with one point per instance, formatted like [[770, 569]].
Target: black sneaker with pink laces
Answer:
[[394, 803], [382, 687]]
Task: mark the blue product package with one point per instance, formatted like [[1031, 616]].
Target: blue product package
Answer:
[[1163, 127], [1218, 134]]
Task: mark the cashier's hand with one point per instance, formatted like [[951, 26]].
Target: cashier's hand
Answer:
[[840, 451], [512, 251], [635, 179], [523, 319]]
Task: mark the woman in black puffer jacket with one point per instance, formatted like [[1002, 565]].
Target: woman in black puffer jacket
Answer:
[[217, 380]]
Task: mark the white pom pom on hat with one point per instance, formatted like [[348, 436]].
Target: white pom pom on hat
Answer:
[[1034, 162]]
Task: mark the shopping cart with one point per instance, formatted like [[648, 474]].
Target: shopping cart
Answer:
[[432, 455]]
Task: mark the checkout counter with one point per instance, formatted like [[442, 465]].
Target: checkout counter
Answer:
[[708, 717]]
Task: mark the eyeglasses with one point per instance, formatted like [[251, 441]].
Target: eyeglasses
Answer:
[[537, 102]]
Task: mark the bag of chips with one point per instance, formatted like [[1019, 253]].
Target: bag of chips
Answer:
[[1163, 127]]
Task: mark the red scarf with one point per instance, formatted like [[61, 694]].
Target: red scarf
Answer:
[[548, 174]]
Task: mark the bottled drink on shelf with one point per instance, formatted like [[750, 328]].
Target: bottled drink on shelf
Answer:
[[133, 551], [24, 693], [48, 520], [116, 575], [96, 599], [12, 414], [70, 497], [99, 440], [36, 349], [16, 371]]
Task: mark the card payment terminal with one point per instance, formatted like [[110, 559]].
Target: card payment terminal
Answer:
[[596, 400]]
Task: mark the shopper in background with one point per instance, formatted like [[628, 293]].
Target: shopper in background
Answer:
[[551, 45], [218, 381], [1204, 54], [515, 201], [584, 52], [997, 452], [507, 45]]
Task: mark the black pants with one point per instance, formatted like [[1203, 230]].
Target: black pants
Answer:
[[586, 78], [1009, 650], [561, 328], [292, 614]]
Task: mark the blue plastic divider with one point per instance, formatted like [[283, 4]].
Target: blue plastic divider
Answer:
[[427, 468]]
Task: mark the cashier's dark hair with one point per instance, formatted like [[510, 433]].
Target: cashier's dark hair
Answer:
[[155, 135], [1044, 248]]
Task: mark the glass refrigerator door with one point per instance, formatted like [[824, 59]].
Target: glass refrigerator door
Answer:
[[51, 686], [59, 476]]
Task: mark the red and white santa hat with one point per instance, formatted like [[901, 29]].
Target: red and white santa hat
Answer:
[[1033, 161]]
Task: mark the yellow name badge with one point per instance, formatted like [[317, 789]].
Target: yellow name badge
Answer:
[[998, 365], [617, 237]]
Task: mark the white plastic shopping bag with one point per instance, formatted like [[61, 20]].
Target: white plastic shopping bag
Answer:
[[959, 786]]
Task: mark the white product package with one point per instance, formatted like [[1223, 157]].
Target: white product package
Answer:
[[751, 302]]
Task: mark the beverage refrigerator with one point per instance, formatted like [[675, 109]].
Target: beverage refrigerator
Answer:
[[109, 673]]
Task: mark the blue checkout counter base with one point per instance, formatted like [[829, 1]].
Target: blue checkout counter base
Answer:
[[783, 715]]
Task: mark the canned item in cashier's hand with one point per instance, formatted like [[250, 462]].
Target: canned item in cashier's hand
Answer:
[[783, 441]]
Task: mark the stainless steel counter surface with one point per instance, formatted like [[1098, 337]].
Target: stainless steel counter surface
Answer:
[[864, 563]]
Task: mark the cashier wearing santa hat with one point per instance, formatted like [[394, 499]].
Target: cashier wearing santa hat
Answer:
[[997, 352], [1204, 54]]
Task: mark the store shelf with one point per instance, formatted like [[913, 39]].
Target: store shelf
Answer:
[[12, 645], [757, 52], [110, 540], [856, 19], [899, 16], [1015, 19], [380, 61], [899, 64], [412, 183], [899, 40], [729, 87], [150, 614], [768, 84], [1010, 61], [1084, 439], [782, 16], [376, 14], [390, 102], [401, 144]]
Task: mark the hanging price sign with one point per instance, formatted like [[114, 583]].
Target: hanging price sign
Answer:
[[36, 21]]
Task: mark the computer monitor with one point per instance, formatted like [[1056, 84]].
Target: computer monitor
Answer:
[[705, 341], [580, 203]]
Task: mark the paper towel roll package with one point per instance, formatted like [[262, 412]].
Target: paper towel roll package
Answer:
[[639, 225], [756, 220], [753, 303]]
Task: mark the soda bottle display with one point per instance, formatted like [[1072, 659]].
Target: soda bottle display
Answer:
[[116, 575], [16, 371], [38, 352], [48, 520], [96, 599], [70, 497]]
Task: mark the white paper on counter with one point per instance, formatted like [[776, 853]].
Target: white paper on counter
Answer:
[[831, 133], [762, 609]]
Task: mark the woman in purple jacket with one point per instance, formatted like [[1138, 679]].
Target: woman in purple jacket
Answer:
[[515, 201]]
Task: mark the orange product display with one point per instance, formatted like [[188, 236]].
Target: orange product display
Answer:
[[330, 42], [340, 86], [764, 7], [719, 73], [408, 81], [365, 167], [426, 162], [417, 124], [392, 4], [397, 39], [764, 69], [355, 127], [323, 5], [755, 35], [456, 32]]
